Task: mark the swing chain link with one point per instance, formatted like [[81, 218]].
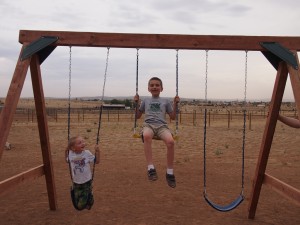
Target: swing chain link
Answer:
[[246, 74], [205, 122], [102, 98], [244, 128], [105, 74], [137, 72], [177, 72], [206, 73], [177, 109], [69, 102], [69, 105], [136, 91]]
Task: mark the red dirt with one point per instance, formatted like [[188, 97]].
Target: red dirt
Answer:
[[123, 195]]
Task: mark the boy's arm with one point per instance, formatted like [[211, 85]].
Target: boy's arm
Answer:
[[66, 154], [97, 154], [138, 113], [175, 107], [289, 121]]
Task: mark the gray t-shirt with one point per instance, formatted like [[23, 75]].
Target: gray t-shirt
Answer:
[[155, 110]]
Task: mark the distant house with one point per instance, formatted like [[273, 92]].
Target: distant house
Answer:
[[113, 106], [261, 105]]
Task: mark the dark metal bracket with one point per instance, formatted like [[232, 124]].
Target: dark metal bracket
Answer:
[[277, 53], [42, 46]]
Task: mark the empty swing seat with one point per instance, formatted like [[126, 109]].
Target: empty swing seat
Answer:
[[225, 208]]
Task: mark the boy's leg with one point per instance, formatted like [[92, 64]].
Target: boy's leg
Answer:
[[84, 198], [90, 198], [79, 194], [148, 135], [167, 137]]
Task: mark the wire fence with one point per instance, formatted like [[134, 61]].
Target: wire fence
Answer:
[[189, 118]]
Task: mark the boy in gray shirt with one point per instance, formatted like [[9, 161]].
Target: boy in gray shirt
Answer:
[[155, 125]]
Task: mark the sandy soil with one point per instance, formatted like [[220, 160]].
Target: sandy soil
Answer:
[[123, 194]]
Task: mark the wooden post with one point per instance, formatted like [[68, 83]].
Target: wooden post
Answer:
[[32, 115], [28, 115], [228, 116], [194, 117], [295, 82], [43, 129], [276, 100], [250, 120], [11, 100]]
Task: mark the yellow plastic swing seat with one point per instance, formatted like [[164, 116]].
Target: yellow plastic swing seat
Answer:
[[138, 135]]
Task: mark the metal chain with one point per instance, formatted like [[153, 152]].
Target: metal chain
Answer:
[[102, 98], [101, 108], [105, 73], [205, 122], [136, 90], [177, 72], [177, 110], [244, 127], [137, 72], [206, 73], [69, 102], [69, 106], [246, 74]]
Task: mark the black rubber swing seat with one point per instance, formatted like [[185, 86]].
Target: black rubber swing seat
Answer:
[[225, 208]]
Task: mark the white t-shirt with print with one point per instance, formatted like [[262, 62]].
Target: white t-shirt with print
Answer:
[[80, 166]]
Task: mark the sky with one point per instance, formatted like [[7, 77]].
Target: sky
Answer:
[[227, 77]]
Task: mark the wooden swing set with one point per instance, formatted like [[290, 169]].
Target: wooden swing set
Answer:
[[281, 52]]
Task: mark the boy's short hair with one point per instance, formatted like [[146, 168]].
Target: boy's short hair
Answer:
[[156, 78]]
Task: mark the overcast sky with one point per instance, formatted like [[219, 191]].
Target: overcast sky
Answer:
[[226, 69]]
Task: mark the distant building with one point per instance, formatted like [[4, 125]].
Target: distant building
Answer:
[[261, 105], [113, 106]]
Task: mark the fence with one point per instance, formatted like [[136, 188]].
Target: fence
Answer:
[[192, 118]]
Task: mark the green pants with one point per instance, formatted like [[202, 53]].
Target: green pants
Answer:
[[82, 196]]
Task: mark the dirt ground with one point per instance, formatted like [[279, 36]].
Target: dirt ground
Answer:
[[123, 194]]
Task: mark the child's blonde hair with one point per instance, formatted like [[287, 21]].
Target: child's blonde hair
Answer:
[[72, 142]]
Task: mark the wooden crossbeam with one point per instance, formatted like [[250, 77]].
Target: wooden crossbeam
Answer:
[[13, 181], [159, 41], [282, 188]]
